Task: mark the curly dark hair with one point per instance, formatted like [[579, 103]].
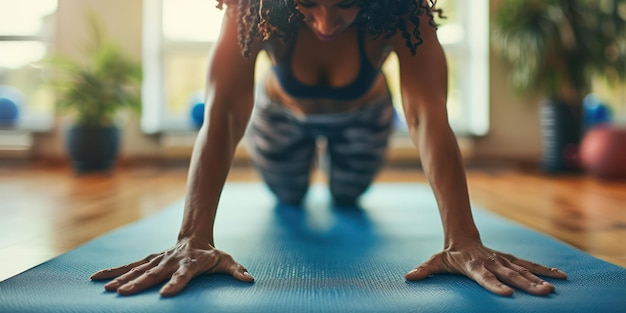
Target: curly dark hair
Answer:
[[266, 19]]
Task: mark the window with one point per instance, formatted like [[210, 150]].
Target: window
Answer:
[[26, 29], [176, 52], [175, 60], [464, 36]]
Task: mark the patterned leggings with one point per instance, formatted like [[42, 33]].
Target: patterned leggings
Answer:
[[283, 145]]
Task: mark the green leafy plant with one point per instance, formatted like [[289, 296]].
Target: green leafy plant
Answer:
[[95, 91], [558, 46]]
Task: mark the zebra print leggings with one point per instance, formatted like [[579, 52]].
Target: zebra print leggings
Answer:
[[283, 147]]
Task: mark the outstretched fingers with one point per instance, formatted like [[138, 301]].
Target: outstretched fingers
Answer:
[[178, 282], [488, 280], [537, 268], [132, 274], [148, 279], [177, 266], [118, 271], [189, 268], [520, 278], [495, 271]]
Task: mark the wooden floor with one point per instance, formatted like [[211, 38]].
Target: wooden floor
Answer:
[[45, 211]]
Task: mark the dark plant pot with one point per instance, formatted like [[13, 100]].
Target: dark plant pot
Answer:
[[93, 149], [561, 128]]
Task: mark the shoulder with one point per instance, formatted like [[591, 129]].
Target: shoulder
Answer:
[[406, 27], [418, 33]]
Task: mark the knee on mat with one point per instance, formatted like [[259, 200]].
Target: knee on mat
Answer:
[[345, 199], [290, 197]]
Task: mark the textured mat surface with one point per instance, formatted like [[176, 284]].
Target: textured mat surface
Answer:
[[318, 260]]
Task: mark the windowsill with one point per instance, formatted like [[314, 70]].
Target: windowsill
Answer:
[[178, 144], [29, 124], [17, 140]]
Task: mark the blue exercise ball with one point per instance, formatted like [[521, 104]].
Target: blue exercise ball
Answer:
[[595, 112], [10, 102], [197, 114], [196, 108]]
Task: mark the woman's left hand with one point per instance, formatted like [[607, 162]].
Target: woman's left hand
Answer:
[[495, 271]]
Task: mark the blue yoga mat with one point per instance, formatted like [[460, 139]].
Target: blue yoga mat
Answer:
[[318, 260]]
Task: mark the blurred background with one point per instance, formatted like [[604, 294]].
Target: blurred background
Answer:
[[171, 39], [536, 91]]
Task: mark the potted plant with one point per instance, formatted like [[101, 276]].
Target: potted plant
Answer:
[[557, 47], [94, 92]]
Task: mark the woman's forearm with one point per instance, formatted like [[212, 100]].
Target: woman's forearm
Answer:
[[209, 167], [229, 99], [442, 163]]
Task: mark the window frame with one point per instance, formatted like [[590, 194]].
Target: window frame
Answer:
[[31, 122]]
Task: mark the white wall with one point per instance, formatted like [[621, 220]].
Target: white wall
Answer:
[[515, 127]]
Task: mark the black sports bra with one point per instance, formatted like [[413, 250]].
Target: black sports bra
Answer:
[[361, 85]]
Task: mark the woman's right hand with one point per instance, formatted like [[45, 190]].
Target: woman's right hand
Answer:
[[178, 265]]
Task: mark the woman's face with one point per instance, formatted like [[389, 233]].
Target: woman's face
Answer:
[[328, 18]]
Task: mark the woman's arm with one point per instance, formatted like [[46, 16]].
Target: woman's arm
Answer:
[[424, 90], [424, 83], [229, 99]]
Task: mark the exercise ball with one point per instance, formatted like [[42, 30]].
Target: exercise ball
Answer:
[[9, 111], [195, 105], [10, 102], [595, 111], [603, 152], [197, 114]]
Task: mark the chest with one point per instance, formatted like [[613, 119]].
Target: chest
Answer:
[[334, 63]]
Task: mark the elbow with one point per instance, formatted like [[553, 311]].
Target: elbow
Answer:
[[413, 124], [412, 118], [237, 122]]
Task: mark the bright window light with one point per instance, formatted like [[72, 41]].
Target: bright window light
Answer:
[[16, 54], [191, 20], [451, 34], [24, 17]]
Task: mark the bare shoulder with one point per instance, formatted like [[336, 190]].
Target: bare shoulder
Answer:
[[231, 35], [416, 38]]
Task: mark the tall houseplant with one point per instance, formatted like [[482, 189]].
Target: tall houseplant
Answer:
[[94, 92], [557, 47]]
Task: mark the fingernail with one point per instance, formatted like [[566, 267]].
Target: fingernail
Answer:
[[413, 271]]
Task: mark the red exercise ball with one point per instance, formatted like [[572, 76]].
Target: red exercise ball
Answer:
[[603, 152]]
